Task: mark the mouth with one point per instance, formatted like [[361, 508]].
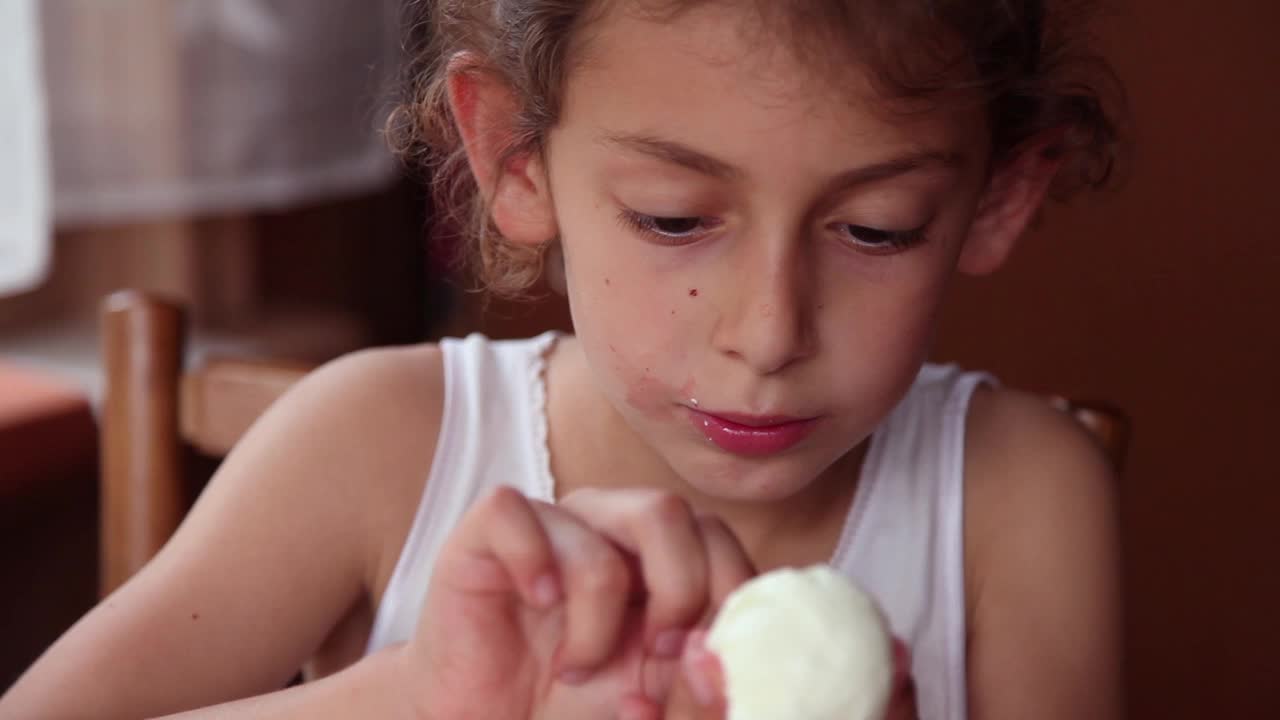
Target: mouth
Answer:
[[752, 435]]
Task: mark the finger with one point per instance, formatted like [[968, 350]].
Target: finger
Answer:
[[902, 704], [501, 547], [661, 530], [681, 704], [699, 690], [596, 579], [730, 568], [727, 559], [901, 666], [658, 677], [634, 707], [703, 671]]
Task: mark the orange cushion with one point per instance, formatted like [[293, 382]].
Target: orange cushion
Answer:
[[47, 429]]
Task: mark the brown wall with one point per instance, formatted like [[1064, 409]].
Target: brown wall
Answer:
[[1163, 298]]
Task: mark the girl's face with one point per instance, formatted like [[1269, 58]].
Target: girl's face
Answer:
[[754, 257]]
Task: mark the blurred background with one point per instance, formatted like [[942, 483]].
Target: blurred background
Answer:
[[228, 154]]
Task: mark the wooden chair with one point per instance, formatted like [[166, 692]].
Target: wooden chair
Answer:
[[1107, 423], [155, 408]]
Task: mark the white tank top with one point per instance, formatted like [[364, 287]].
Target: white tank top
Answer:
[[903, 540]]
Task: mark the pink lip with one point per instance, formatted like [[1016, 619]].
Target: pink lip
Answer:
[[752, 435]]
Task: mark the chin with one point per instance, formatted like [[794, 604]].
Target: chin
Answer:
[[736, 479]]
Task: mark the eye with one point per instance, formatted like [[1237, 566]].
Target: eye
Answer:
[[878, 241], [669, 230]]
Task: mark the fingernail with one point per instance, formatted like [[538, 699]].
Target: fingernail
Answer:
[[574, 677], [546, 591], [669, 643]]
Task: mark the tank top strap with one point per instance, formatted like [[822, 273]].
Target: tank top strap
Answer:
[[904, 540], [493, 431]]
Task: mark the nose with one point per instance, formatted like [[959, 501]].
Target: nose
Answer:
[[767, 321]]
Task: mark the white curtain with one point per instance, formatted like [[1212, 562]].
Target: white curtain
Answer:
[[24, 196], [161, 108]]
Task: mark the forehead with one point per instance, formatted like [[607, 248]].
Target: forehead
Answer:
[[715, 76]]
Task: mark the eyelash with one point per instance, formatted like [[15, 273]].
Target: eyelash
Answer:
[[647, 225], [889, 241]]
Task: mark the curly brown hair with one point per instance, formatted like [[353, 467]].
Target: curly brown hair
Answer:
[[1028, 60]]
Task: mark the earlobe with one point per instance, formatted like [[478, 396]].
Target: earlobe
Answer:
[[513, 183], [1014, 195]]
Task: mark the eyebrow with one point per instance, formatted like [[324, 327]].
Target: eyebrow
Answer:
[[685, 156], [676, 154]]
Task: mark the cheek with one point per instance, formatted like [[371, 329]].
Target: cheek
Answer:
[[633, 318], [885, 328], [630, 373], [646, 393], [632, 343]]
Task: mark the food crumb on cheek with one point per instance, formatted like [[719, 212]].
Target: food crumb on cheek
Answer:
[[648, 394], [642, 394]]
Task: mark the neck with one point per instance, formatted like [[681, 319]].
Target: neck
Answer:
[[601, 450], [797, 530]]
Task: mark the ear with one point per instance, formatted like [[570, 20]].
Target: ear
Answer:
[[1014, 194], [514, 186]]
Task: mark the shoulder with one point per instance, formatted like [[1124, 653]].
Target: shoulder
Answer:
[[373, 377], [1020, 438], [1031, 471], [1027, 462], [355, 409], [363, 428], [1041, 556], [331, 475]]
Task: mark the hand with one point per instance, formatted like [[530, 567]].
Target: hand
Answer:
[[699, 692], [902, 703], [571, 610]]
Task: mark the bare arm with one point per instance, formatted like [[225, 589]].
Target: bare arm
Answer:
[[1042, 557], [282, 544], [371, 688]]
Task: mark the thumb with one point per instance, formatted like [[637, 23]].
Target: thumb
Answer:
[[699, 690]]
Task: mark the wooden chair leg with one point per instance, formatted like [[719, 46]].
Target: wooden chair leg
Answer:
[[142, 493]]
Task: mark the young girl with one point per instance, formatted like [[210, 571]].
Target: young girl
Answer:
[[755, 210]]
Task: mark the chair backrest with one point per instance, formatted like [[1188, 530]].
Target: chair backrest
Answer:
[[154, 408], [1108, 424]]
